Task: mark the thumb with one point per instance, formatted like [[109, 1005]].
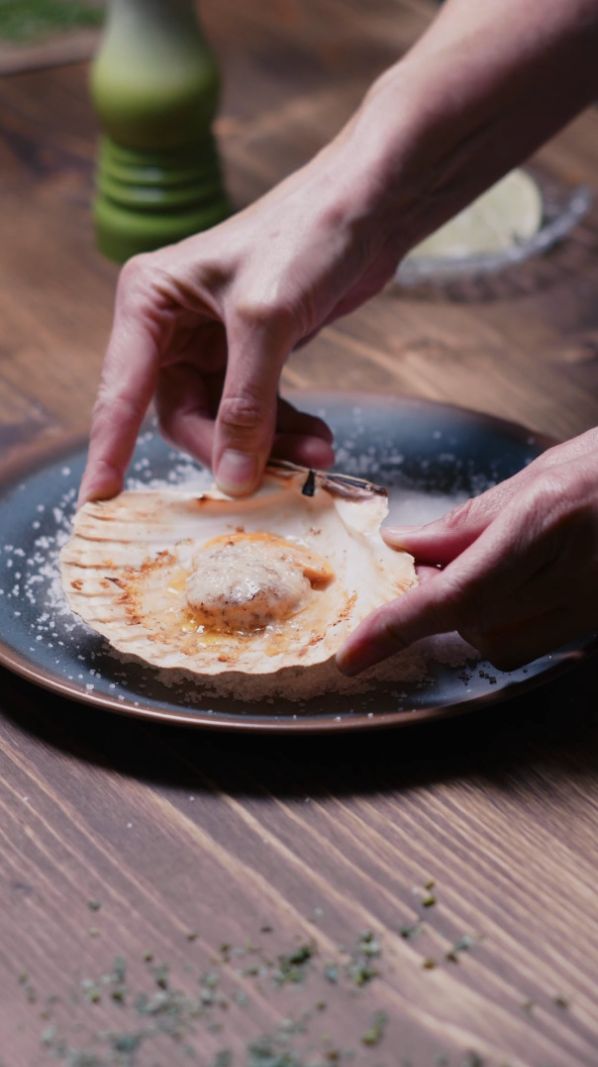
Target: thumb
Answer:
[[246, 418], [447, 537], [420, 612]]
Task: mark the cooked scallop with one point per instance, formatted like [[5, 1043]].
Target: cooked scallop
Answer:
[[251, 597]]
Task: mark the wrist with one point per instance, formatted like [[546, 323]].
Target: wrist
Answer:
[[473, 98]]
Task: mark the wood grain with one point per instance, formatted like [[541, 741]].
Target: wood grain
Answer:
[[176, 834]]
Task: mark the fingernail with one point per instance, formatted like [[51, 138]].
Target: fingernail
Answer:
[[88, 491], [398, 534], [399, 531], [237, 472]]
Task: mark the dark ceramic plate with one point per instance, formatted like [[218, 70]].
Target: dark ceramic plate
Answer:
[[425, 452]]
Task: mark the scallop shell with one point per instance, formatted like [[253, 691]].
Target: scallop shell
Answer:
[[126, 566]]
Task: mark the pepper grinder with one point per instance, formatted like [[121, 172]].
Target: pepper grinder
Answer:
[[155, 88]]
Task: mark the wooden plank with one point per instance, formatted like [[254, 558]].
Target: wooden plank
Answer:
[[175, 834]]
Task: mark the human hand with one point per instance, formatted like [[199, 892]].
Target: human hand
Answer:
[[206, 326], [519, 567]]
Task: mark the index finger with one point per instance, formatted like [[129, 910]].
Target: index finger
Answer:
[[127, 385]]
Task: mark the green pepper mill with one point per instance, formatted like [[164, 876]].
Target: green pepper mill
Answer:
[[155, 85]]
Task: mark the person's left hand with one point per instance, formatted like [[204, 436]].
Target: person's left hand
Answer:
[[514, 570]]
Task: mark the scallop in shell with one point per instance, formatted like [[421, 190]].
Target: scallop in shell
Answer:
[[252, 597]]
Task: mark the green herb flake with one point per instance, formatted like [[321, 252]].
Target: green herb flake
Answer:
[[49, 1036], [160, 973], [428, 964], [464, 944], [561, 1002], [409, 930], [428, 901], [264, 1053], [91, 991], [224, 1058], [375, 1033], [126, 1042], [292, 967], [361, 973], [192, 935], [94, 905], [368, 944], [472, 1059]]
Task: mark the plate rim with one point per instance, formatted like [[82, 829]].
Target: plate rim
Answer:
[[37, 458]]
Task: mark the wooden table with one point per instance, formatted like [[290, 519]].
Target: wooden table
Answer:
[[163, 846]]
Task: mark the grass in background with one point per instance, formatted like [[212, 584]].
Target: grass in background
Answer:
[[28, 20]]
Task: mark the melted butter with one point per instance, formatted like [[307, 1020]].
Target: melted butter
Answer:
[[168, 617]]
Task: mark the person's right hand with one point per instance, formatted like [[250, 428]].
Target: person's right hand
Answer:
[[206, 325]]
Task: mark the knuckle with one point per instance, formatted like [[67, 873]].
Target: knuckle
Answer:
[[392, 633], [547, 491], [241, 413], [264, 314], [460, 516], [114, 407], [135, 280]]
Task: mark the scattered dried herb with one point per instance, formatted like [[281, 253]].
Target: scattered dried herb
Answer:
[[375, 1033], [160, 973], [126, 1042], [428, 964], [368, 944], [292, 967], [464, 943], [409, 930], [94, 905], [361, 973], [91, 991], [264, 1053], [224, 1058], [561, 1002]]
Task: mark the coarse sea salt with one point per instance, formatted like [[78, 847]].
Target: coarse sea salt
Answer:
[[52, 622]]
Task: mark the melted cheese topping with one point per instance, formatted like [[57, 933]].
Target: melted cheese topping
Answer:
[[247, 581]]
